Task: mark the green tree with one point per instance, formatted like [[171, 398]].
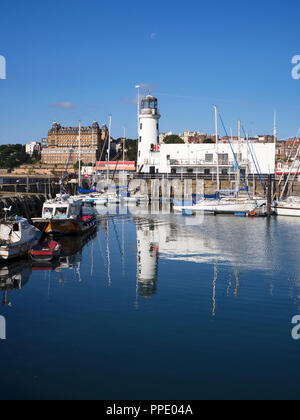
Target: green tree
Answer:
[[208, 141], [173, 139], [76, 165], [13, 156], [131, 147]]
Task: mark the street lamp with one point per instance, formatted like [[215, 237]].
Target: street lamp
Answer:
[[138, 87]]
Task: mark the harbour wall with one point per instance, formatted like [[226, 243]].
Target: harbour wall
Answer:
[[28, 206]]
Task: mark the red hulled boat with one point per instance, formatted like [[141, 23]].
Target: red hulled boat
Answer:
[[46, 251]]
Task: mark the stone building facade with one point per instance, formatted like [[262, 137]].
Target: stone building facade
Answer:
[[62, 139]]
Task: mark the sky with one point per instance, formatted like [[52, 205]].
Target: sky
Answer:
[[73, 60]]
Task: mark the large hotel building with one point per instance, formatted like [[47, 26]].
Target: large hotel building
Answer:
[[61, 139]]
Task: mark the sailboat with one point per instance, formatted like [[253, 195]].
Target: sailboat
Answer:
[[65, 215], [291, 205], [110, 195], [238, 204]]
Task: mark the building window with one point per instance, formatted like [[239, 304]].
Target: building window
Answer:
[[209, 157], [141, 126], [140, 139], [223, 158]]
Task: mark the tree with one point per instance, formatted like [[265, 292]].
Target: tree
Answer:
[[36, 157], [173, 139], [131, 150], [76, 165], [13, 156], [208, 141]]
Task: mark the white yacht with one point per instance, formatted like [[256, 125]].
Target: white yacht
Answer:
[[288, 207], [227, 205], [17, 237], [136, 196], [95, 198]]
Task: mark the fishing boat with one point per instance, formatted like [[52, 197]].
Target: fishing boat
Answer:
[[64, 215], [17, 236], [46, 251]]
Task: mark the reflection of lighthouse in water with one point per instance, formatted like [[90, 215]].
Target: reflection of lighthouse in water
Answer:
[[147, 259]]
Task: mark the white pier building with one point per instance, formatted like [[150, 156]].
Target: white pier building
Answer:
[[201, 159]]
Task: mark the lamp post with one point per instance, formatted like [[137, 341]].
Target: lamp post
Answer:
[[138, 87]]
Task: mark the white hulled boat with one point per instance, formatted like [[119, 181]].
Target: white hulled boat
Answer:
[[136, 196], [288, 207], [227, 205], [17, 237]]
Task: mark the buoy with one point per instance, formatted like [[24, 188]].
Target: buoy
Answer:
[[252, 213]]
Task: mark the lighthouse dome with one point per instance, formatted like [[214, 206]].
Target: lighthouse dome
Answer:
[[149, 102]]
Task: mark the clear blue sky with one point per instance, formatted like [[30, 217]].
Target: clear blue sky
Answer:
[[194, 54]]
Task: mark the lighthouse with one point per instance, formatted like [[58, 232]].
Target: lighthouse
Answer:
[[148, 129]]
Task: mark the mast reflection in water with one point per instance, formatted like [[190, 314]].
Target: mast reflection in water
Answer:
[[207, 303]]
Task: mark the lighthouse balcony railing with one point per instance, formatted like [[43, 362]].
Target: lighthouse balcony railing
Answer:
[[149, 111]]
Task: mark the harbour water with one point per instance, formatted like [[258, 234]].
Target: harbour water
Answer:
[[158, 306]]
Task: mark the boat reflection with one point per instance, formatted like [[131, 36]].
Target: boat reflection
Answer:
[[71, 258], [13, 276]]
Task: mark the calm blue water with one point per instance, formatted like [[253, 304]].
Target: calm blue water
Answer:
[[158, 307]]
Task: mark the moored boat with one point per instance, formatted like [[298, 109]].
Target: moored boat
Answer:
[[288, 207], [46, 251], [227, 205], [17, 236], [64, 216]]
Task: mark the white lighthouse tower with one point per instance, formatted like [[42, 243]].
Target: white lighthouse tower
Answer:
[[148, 129]]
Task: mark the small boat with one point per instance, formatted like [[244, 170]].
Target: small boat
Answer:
[[288, 207], [95, 198], [64, 216], [46, 251], [17, 237], [136, 197]]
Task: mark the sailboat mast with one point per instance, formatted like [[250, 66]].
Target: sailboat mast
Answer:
[[108, 150], [275, 127], [217, 147], [238, 157], [79, 144], [124, 144]]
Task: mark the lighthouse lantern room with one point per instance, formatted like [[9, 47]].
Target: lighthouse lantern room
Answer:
[[148, 129]]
